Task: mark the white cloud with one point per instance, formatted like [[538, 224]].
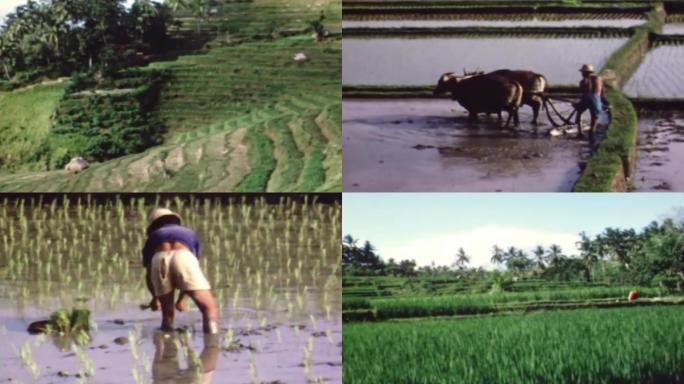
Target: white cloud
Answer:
[[477, 243]]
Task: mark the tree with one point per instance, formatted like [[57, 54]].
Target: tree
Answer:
[[497, 255], [407, 268], [539, 253], [588, 254], [462, 260], [554, 254]]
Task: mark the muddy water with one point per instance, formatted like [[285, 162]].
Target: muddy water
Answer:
[[660, 74], [660, 153], [532, 22], [279, 293], [420, 61], [428, 145], [674, 28]]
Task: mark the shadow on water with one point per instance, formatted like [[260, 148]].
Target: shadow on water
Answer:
[[171, 347]]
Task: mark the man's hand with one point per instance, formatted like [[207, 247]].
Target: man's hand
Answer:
[[182, 303], [155, 305]]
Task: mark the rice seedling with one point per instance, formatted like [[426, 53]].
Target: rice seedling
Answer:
[[631, 345]]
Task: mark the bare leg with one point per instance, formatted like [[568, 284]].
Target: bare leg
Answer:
[[578, 120], [168, 311], [206, 303], [154, 304]]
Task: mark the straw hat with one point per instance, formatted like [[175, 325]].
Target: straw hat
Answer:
[[587, 68], [158, 213]]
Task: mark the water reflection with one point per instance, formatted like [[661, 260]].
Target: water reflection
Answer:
[[169, 347]]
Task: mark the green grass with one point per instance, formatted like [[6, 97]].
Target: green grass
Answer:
[[635, 345], [25, 123]]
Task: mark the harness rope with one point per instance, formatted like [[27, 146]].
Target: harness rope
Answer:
[[564, 120]]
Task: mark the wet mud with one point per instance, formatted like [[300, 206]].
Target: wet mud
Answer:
[[413, 145], [482, 22], [660, 153]]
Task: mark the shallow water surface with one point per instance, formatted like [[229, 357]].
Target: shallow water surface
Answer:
[[420, 61], [660, 74], [481, 22], [428, 145], [660, 153]]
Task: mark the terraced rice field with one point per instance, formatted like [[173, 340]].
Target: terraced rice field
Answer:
[[493, 20], [420, 61], [429, 145], [660, 153], [273, 266], [660, 74], [243, 117], [630, 345]]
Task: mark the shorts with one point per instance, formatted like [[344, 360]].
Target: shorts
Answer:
[[592, 102], [176, 269]]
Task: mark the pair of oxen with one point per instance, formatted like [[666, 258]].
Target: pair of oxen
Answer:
[[494, 92]]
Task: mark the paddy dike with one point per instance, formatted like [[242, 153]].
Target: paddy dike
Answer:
[[429, 145]]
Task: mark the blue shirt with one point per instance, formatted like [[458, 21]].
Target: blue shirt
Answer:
[[170, 233]]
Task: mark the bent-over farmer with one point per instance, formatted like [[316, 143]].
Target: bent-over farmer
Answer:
[[591, 88], [170, 257]]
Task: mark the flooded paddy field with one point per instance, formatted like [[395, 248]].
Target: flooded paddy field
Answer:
[[429, 145], [660, 152], [420, 61], [660, 74], [273, 266], [494, 20], [674, 25]]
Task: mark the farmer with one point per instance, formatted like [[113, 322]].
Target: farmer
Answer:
[[170, 258], [591, 88]]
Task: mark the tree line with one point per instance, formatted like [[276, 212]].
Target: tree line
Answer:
[[651, 256], [60, 37]]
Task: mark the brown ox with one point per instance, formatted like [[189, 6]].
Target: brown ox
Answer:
[[484, 94]]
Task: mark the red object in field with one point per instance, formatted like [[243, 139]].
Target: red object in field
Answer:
[[633, 295]]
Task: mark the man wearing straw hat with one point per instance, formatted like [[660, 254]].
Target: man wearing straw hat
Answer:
[[170, 258], [591, 88]]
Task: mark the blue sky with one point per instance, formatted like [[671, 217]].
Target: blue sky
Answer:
[[431, 227]]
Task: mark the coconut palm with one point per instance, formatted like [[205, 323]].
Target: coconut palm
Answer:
[[462, 259], [555, 253], [497, 255], [539, 253]]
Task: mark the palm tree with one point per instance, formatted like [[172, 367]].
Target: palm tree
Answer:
[[554, 254], [497, 255], [539, 256], [462, 259]]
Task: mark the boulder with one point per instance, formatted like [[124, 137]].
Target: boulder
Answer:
[[77, 165], [300, 57]]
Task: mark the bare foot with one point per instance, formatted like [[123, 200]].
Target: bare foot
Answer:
[[182, 304], [155, 305]]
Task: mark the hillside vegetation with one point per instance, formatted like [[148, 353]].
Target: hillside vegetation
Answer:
[[239, 115]]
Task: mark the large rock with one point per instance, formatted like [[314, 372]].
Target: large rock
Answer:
[[77, 165]]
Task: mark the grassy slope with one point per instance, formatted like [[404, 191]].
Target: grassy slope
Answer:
[[244, 117], [25, 120]]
